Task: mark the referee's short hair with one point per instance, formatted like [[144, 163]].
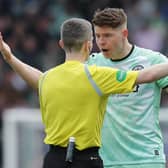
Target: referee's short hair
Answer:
[[74, 32]]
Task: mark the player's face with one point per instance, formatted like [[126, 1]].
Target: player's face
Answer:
[[110, 41]]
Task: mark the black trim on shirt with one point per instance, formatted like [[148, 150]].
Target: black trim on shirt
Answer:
[[125, 56]]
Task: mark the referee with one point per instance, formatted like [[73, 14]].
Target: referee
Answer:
[[73, 97]]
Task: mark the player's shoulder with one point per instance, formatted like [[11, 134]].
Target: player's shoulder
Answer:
[[147, 51], [95, 58], [150, 54], [96, 55]]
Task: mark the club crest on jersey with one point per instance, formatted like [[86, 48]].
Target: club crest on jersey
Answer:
[[137, 68]]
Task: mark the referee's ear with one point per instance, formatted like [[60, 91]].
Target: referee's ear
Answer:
[[61, 44]]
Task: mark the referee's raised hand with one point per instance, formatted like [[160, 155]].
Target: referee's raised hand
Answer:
[[5, 49]]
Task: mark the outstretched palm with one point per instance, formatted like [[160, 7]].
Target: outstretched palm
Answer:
[[5, 49]]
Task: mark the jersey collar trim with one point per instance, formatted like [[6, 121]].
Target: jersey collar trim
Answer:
[[125, 56]]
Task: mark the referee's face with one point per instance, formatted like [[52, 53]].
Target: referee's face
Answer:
[[110, 41]]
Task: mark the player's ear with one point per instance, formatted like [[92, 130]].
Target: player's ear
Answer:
[[61, 44], [125, 33]]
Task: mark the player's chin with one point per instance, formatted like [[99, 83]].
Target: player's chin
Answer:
[[106, 54]]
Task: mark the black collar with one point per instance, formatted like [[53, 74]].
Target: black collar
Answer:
[[125, 56]]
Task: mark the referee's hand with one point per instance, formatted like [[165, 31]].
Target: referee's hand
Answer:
[[5, 49]]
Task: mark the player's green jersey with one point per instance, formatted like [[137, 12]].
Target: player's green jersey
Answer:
[[131, 133]]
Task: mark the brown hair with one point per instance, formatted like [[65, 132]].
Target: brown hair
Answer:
[[113, 17]]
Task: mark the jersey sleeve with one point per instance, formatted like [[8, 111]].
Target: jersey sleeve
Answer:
[[163, 82], [42, 77], [40, 83], [112, 81]]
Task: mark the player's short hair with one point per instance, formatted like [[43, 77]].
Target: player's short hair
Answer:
[[74, 32], [112, 17]]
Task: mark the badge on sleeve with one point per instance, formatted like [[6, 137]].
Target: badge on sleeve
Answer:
[[121, 75]]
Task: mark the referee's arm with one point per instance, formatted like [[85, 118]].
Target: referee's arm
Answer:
[[29, 74]]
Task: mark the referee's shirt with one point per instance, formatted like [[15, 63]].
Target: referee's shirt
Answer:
[[73, 98]]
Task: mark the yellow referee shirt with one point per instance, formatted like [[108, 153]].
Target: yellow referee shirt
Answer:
[[73, 99]]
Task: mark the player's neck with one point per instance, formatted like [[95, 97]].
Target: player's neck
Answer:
[[124, 52], [75, 56]]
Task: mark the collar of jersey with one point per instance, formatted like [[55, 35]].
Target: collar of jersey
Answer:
[[125, 56]]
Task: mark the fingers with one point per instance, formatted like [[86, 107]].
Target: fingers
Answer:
[[0, 36], [1, 41]]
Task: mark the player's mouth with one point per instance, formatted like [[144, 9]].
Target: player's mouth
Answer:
[[106, 53], [104, 50]]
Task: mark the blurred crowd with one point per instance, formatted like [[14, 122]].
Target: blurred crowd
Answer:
[[31, 28]]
